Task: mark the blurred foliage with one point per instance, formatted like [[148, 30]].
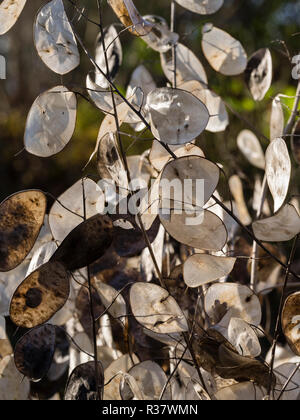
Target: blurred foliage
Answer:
[[256, 23]]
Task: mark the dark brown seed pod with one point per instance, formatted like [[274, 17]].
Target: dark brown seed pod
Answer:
[[21, 218], [215, 354], [234, 366], [86, 243], [131, 242], [34, 352], [40, 295], [82, 384]]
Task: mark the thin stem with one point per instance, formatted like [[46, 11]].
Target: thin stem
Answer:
[[172, 374], [82, 13], [92, 313], [62, 205], [74, 342], [246, 121], [174, 52]]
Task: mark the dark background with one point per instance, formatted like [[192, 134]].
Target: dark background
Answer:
[[256, 23]]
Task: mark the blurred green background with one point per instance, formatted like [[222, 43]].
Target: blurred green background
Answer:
[[256, 23]]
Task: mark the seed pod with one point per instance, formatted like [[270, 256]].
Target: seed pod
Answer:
[[258, 74], [34, 352], [278, 171], [130, 17], [86, 243], [202, 7], [223, 52], [40, 295], [82, 384], [21, 218], [54, 38], [291, 321], [9, 14]]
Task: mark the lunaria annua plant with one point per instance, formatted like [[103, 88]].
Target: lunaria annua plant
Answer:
[[136, 282]]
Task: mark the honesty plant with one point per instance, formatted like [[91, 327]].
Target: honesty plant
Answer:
[[136, 279]]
